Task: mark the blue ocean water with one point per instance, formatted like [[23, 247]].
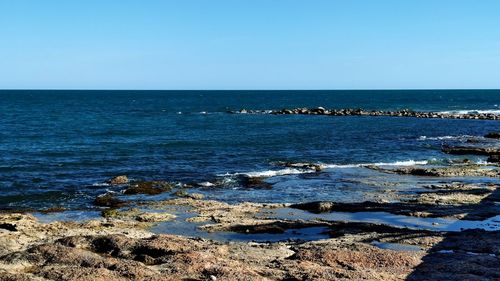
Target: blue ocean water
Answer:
[[57, 148]]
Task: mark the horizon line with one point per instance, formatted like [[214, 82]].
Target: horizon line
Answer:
[[214, 90]]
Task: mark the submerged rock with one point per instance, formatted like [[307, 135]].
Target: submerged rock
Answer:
[[493, 135], [108, 200], [494, 158], [185, 194], [254, 182]]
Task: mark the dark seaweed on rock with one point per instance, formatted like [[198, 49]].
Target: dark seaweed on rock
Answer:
[[254, 182], [149, 188], [108, 200]]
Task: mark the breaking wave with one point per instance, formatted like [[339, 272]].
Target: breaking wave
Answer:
[[473, 111], [461, 137], [295, 171]]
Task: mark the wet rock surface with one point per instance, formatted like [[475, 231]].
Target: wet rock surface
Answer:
[[487, 209], [108, 200], [464, 150], [451, 171], [148, 187], [303, 166], [113, 250]]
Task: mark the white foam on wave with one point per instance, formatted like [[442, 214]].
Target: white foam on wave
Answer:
[[273, 173], [101, 184], [296, 171], [483, 162], [472, 111], [397, 163], [206, 184], [424, 138]]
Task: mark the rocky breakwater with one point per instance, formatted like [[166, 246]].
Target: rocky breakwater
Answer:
[[362, 112]]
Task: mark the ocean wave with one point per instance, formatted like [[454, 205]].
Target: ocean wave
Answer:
[[101, 184], [472, 111], [397, 163], [205, 184], [271, 173], [296, 171], [461, 137]]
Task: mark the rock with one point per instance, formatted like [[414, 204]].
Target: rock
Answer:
[[463, 150], [181, 193], [154, 217], [315, 207], [196, 196], [110, 213], [149, 188], [454, 171], [484, 210], [305, 166], [254, 182], [397, 113], [460, 161], [135, 214], [118, 180], [493, 135], [52, 210], [319, 110], [122, 250], [108, 200], [494, 158]]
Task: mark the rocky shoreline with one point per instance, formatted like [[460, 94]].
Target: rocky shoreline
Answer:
[[362, 112], [123, 247], [447, 230]]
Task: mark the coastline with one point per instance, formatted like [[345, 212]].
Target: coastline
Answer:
[[450, 231], [126, 246]]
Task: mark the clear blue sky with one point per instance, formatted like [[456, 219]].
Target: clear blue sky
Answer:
[[253, 44]]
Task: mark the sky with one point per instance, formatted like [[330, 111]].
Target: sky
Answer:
[[252, 44]]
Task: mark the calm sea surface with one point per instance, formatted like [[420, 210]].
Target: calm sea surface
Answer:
[[57, 148]]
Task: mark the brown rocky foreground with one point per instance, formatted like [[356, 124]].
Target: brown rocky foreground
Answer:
[[123, 248]]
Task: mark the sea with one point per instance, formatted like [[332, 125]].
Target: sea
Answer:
[[58, 148]]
